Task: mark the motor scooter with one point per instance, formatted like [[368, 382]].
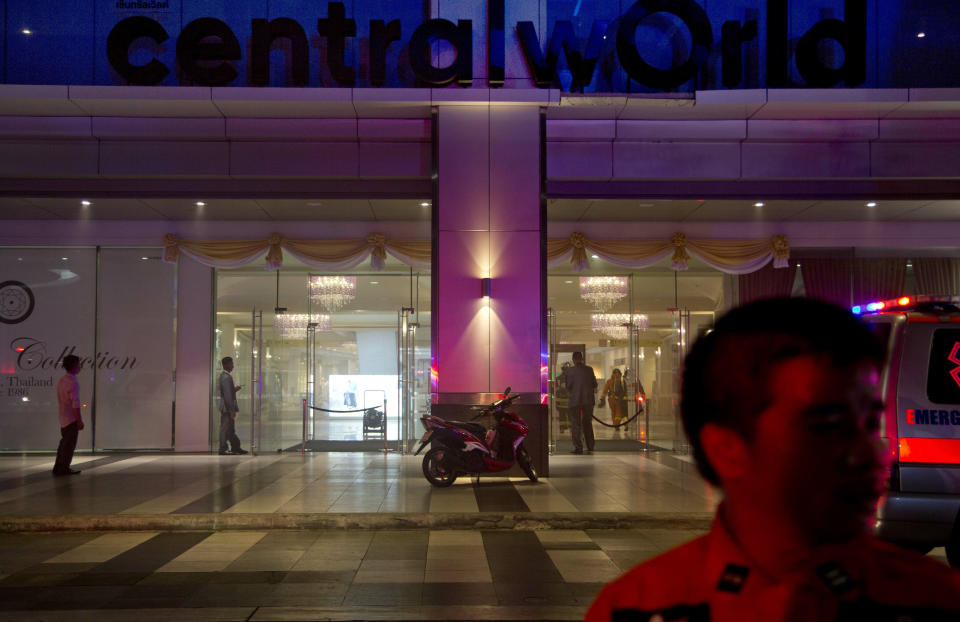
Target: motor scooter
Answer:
[[468, 448]]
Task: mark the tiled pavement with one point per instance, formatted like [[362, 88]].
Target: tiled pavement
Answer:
[[343, 483], [295, 574], [313, 575], [337, 574]]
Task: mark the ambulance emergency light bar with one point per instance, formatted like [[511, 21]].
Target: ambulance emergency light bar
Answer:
[[904, 303]]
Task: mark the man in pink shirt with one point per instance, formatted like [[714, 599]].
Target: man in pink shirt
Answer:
[[68, 398]]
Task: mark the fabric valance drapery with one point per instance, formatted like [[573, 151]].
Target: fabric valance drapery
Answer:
[[730, 256], [333, 255]]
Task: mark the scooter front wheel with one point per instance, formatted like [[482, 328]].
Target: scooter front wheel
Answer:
[[526, 463], [437, 469]]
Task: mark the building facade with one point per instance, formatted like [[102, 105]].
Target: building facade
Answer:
[[465, 168]]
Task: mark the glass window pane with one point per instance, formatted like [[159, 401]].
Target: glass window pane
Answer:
[[135, 375], [47, 308], [352, 362]]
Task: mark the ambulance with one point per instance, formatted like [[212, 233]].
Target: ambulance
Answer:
[[921, 421]]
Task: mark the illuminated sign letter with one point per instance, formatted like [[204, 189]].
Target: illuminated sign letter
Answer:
[[496, 16], [732, 38], [194, 46], [564, 41], [264, 33], [381, 36], [691, 14], [336, 28], [118, 50], [851, 34], [460, 36]]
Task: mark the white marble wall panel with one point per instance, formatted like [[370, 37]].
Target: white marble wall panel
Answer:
[[914, 130], [820, 130], [464, 167], [163, 158], [415, 130], [194, 301], [581, 160], [144, 101], [73, 158], [312, 159], [893, 159], [394, 159], [731, 129], [45, 127], [463, 322], [292, 129], [805, 160], [676, 159], [513, 309], [157, 128], [592, 130], [515, 164]]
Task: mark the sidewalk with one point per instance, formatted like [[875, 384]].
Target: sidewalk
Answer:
[[329, 537], [345, 490]]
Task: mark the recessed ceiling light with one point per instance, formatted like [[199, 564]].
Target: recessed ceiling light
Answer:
[[200, 204], [63, 258], [27, 31], [920, 35], [568, 282], [595, 256], [85, 203], [374, 282], [872, 204], [758, 204], [424, 203], [143, 258]]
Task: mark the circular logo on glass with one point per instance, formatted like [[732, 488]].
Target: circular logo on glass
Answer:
[[16, 302]]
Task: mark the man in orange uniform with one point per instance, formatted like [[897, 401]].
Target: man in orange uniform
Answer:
[[781, 402]]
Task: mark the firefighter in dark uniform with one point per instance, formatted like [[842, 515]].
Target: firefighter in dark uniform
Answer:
[[781, 403]]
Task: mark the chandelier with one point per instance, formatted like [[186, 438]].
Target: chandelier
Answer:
[[294, 325], [603, 291], [617, 325], [333, 291]]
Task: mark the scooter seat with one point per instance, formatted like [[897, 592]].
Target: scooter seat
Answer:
[[472, 427]]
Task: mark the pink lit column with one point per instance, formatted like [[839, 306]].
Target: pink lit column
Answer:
[[488, 225]]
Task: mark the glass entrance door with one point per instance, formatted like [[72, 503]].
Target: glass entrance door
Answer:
[[343, 360], [406, 361]]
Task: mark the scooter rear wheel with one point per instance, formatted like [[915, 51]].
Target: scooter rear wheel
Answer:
[[526, 463], [436, 469]]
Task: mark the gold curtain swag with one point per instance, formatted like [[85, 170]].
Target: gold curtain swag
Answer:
[[731, 256], [321, 254]]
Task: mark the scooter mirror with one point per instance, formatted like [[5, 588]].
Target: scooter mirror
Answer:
[[506, 392]]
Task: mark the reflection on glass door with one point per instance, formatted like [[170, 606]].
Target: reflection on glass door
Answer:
[[342, 359], [640, 323]]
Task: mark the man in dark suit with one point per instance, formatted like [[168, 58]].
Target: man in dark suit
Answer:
[[228, 409], [582, 385]]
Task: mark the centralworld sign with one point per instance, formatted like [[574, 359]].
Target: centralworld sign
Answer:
[[208, 50]]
